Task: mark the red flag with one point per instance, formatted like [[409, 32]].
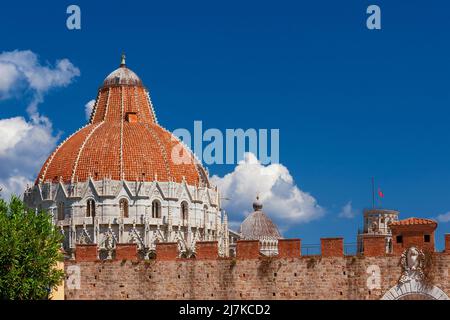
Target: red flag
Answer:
[[380, 193]]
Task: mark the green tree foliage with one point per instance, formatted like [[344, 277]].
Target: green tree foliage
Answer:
[[29, 251]]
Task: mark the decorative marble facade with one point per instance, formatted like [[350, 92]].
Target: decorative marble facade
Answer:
[[108, 212]]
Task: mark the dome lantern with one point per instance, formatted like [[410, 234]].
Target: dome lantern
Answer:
[[257, 205], [122, 61]]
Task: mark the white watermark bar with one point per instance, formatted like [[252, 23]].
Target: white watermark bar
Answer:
[[214, 146]]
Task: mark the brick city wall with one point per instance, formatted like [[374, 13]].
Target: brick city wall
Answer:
[[248, 276]]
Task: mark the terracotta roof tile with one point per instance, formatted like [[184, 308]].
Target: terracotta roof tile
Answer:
[[413, 221]]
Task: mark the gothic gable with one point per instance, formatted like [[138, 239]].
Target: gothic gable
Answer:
[[183, 192], [90, 190], [61, 192]]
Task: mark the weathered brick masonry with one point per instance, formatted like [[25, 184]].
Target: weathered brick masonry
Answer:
[[249, 276]]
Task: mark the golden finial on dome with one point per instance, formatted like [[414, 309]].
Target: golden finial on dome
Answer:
[[122, 62]]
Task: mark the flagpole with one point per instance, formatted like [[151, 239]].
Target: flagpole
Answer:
[[373, 193], [380, 196], [381, 200]]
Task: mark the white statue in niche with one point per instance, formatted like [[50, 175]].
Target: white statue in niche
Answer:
[[413, 258], [412, 262]]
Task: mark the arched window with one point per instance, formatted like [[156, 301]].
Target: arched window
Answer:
[[184, 210], [123, 204], [205, 215], [156, 209], [61, 211], [90, 208]]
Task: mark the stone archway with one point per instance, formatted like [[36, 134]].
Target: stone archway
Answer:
[[414, 290]]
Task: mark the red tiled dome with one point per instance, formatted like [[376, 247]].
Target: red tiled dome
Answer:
[[122, 141]]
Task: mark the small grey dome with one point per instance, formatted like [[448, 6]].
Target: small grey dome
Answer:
[[258, 226]]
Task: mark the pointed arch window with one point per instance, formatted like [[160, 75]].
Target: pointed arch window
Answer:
[[123, 204], [156, 209], [184, 211], [90, 208], [61, 211], [205, 215]]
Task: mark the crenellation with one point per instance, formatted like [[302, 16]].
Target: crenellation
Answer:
[[335, 277], [332, 247], [194, 285], [447, 243]]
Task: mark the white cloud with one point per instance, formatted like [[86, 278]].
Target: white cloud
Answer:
[[26, 143], [23, 71], [88, 108], [444, 217], [347, 211], [25, 65], [13, 185], [282, 199], [12, 131], [9, 77], [234, 225], [25, 146]]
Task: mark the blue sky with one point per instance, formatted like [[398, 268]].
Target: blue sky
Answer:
[[350, 103]]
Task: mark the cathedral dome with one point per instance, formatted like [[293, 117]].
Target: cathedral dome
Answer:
[[123, 141], [258, 226]]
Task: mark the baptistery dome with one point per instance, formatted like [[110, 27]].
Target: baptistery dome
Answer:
[[123, 178], [123, 141]]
